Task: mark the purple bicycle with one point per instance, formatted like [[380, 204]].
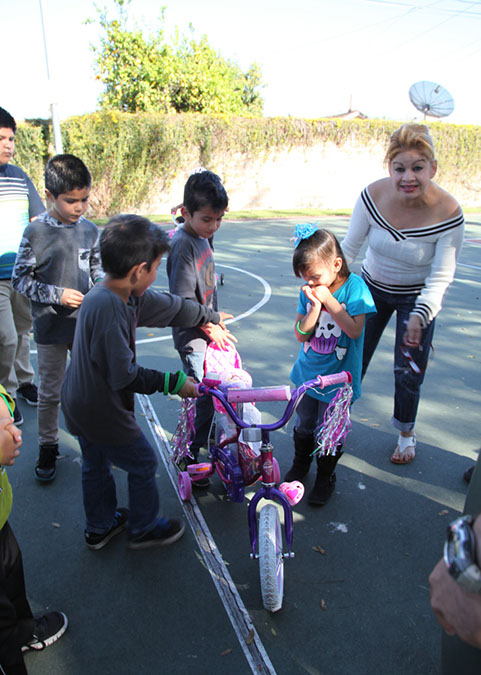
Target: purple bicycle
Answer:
[[238, 465]]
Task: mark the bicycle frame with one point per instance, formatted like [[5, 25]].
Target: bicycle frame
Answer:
[[268, 491]]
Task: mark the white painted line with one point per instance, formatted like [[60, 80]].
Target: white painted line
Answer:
[[473, 267], [254, 308], [254, 652]]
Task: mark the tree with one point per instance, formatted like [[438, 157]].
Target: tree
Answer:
[[149, 74]]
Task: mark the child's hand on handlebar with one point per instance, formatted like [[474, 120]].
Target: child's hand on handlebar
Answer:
[[189, 389]]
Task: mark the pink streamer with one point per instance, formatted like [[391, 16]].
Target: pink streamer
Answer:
[[184, 432], [336, 423]]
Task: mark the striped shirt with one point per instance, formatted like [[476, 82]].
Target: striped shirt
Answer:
[[19, 202], [419, 261]]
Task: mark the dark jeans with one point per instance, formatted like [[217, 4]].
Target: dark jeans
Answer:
[[16, 622], [310, 414], [98, 484], [407, 383]]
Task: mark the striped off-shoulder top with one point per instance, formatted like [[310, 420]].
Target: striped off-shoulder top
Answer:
[[421, 261]]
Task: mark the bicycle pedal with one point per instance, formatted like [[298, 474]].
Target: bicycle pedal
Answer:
[[293, 491]]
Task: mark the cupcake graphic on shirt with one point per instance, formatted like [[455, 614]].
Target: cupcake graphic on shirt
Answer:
[[326, 337]]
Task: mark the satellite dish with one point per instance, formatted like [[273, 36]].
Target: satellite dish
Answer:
[[431, 99]]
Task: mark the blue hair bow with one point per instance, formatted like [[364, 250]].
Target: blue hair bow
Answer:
[[303, 231]]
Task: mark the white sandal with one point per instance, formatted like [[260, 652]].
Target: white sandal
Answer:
[[404, 442]]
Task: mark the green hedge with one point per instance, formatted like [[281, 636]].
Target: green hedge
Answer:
[[131, 155]]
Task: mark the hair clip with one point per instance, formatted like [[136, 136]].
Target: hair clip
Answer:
[[303, 231]]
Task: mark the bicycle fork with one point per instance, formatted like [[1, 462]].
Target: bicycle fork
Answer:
[[269, 491]]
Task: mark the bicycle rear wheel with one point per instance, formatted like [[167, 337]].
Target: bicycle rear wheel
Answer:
[[271, 560]]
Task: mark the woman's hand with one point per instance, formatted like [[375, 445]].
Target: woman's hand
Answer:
[[413, 334]]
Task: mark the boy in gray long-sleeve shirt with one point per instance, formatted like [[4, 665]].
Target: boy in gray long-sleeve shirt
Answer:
[[57, 263], [103, 376], [191, 272]]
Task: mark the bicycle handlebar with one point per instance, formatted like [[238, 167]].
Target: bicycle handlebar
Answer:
[[279, 393]]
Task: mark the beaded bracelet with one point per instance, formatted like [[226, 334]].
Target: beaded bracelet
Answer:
[[301, 331]]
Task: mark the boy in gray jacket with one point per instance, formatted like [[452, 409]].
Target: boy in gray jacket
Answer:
[[99, 388], [57, 263]]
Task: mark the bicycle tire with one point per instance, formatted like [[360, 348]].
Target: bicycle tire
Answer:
[[271, 559]]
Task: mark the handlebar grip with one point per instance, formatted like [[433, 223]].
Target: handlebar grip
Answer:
[[335, 378], [280, 393]]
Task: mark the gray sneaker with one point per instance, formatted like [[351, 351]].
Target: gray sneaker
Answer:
[[165, 532]]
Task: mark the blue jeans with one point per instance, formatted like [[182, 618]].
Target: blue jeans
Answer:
[[98, 484], [204, 408], [310, 414], [407, 383]]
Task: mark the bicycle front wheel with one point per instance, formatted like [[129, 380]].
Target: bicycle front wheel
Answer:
[[271, 560]]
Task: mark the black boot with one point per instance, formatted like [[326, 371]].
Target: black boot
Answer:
[[45, 467], [303, 447], [325, 480]]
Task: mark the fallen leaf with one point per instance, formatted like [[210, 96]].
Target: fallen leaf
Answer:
[[226, 651], [150, 334], [444, 512], [250, 637], [273, 631], [55, 524], [471, 356], [319, 549], [323, 605]]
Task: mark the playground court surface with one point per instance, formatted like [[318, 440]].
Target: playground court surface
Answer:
[[363, 605]]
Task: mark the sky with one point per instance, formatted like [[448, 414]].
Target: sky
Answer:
[[318, 57]]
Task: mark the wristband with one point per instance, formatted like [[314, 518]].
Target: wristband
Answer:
[[182, 378], [166, 383], [301, 331], [8, 404]]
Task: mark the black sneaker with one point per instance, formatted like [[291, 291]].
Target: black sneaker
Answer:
[[17, 415], [47, 630], [29, 393], [95, 541], [45, 468], [167, 531]]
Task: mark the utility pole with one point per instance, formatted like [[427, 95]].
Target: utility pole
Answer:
[[53, 106]]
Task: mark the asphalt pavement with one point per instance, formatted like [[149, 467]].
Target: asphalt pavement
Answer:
[[360, 607]]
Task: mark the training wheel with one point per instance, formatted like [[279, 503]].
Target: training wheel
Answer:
[[185, 486]]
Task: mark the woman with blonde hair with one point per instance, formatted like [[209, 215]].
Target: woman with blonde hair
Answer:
[[414, 230]]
